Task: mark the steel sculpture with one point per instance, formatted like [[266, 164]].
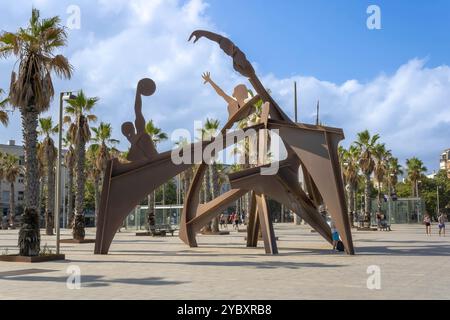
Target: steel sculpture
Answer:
[[311, 147]]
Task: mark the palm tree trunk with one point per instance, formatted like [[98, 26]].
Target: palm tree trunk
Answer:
[[186, 184], [41, 194], [78, 231], [70, 198], [352, 205], [215, 190], [151, 212], [349, 203], [12, 206], [207, 195], [29, 234], [367, 201], [379, 198], [97, 195], [50, 202]]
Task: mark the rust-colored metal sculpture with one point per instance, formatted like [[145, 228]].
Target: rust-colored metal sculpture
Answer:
[[312, 147]]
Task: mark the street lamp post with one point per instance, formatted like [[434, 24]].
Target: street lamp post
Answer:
[[437, 200], [58, 172], [62, 95]]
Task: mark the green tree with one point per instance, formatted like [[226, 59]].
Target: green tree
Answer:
[[4, 117], [381, 157], [415, 170], [11, 169], [78, 117], [366, 145], [349, 162], [31, 91], [157, 136], [99, 152], [429, 189], [394, 169], [187, 175], [211, 127]]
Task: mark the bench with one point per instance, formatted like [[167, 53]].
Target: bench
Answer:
[[384, 226], [161, 230]]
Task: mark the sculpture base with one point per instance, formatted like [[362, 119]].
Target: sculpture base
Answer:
[[220, 233], [366, 229], [77, 241], [142, 234], [44, 258], [261, 239]]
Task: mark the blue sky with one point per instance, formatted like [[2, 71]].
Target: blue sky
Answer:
[[329, 39], [394, 81]]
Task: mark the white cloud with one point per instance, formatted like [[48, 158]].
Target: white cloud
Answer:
[[410, 108]]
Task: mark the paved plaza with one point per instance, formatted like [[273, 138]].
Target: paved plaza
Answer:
[[412, 266]]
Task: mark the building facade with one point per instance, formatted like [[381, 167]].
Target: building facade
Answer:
[[444, 162], [19, 187]]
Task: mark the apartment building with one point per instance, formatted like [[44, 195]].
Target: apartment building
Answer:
[[19, 187], [444, 162], [12, 148]]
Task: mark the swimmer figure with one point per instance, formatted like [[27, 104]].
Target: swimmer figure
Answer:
[[240, 94], [142, 146]]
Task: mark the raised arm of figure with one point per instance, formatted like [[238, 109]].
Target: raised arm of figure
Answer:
[[139, 122], [207, 77]]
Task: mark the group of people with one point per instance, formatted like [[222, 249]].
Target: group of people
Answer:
[[232, 218], [441, 224], [382, 221]]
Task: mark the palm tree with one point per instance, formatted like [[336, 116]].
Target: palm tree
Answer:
[[394, 169], [187, 175], [349, 162], [69, 161], [210, 128], [207, 133], [4, 117], [415, 170], [381, 157], [157, 136], [366, 145], [12, 170], [79, 116], [99, 150], [31, 91], [49, 153], [94, 174]]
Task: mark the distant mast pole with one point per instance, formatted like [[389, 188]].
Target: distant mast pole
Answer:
[[295, 100], [317, 113]]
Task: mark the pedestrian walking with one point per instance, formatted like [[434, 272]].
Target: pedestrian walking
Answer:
[[427, 223], [441, 220]]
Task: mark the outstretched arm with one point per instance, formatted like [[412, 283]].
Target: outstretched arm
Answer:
[[220, 92], [240, 62], [139, 122], [197, 34]]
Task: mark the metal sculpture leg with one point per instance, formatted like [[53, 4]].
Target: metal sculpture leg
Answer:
[[318, 151], [268, 235], [253, 224]]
